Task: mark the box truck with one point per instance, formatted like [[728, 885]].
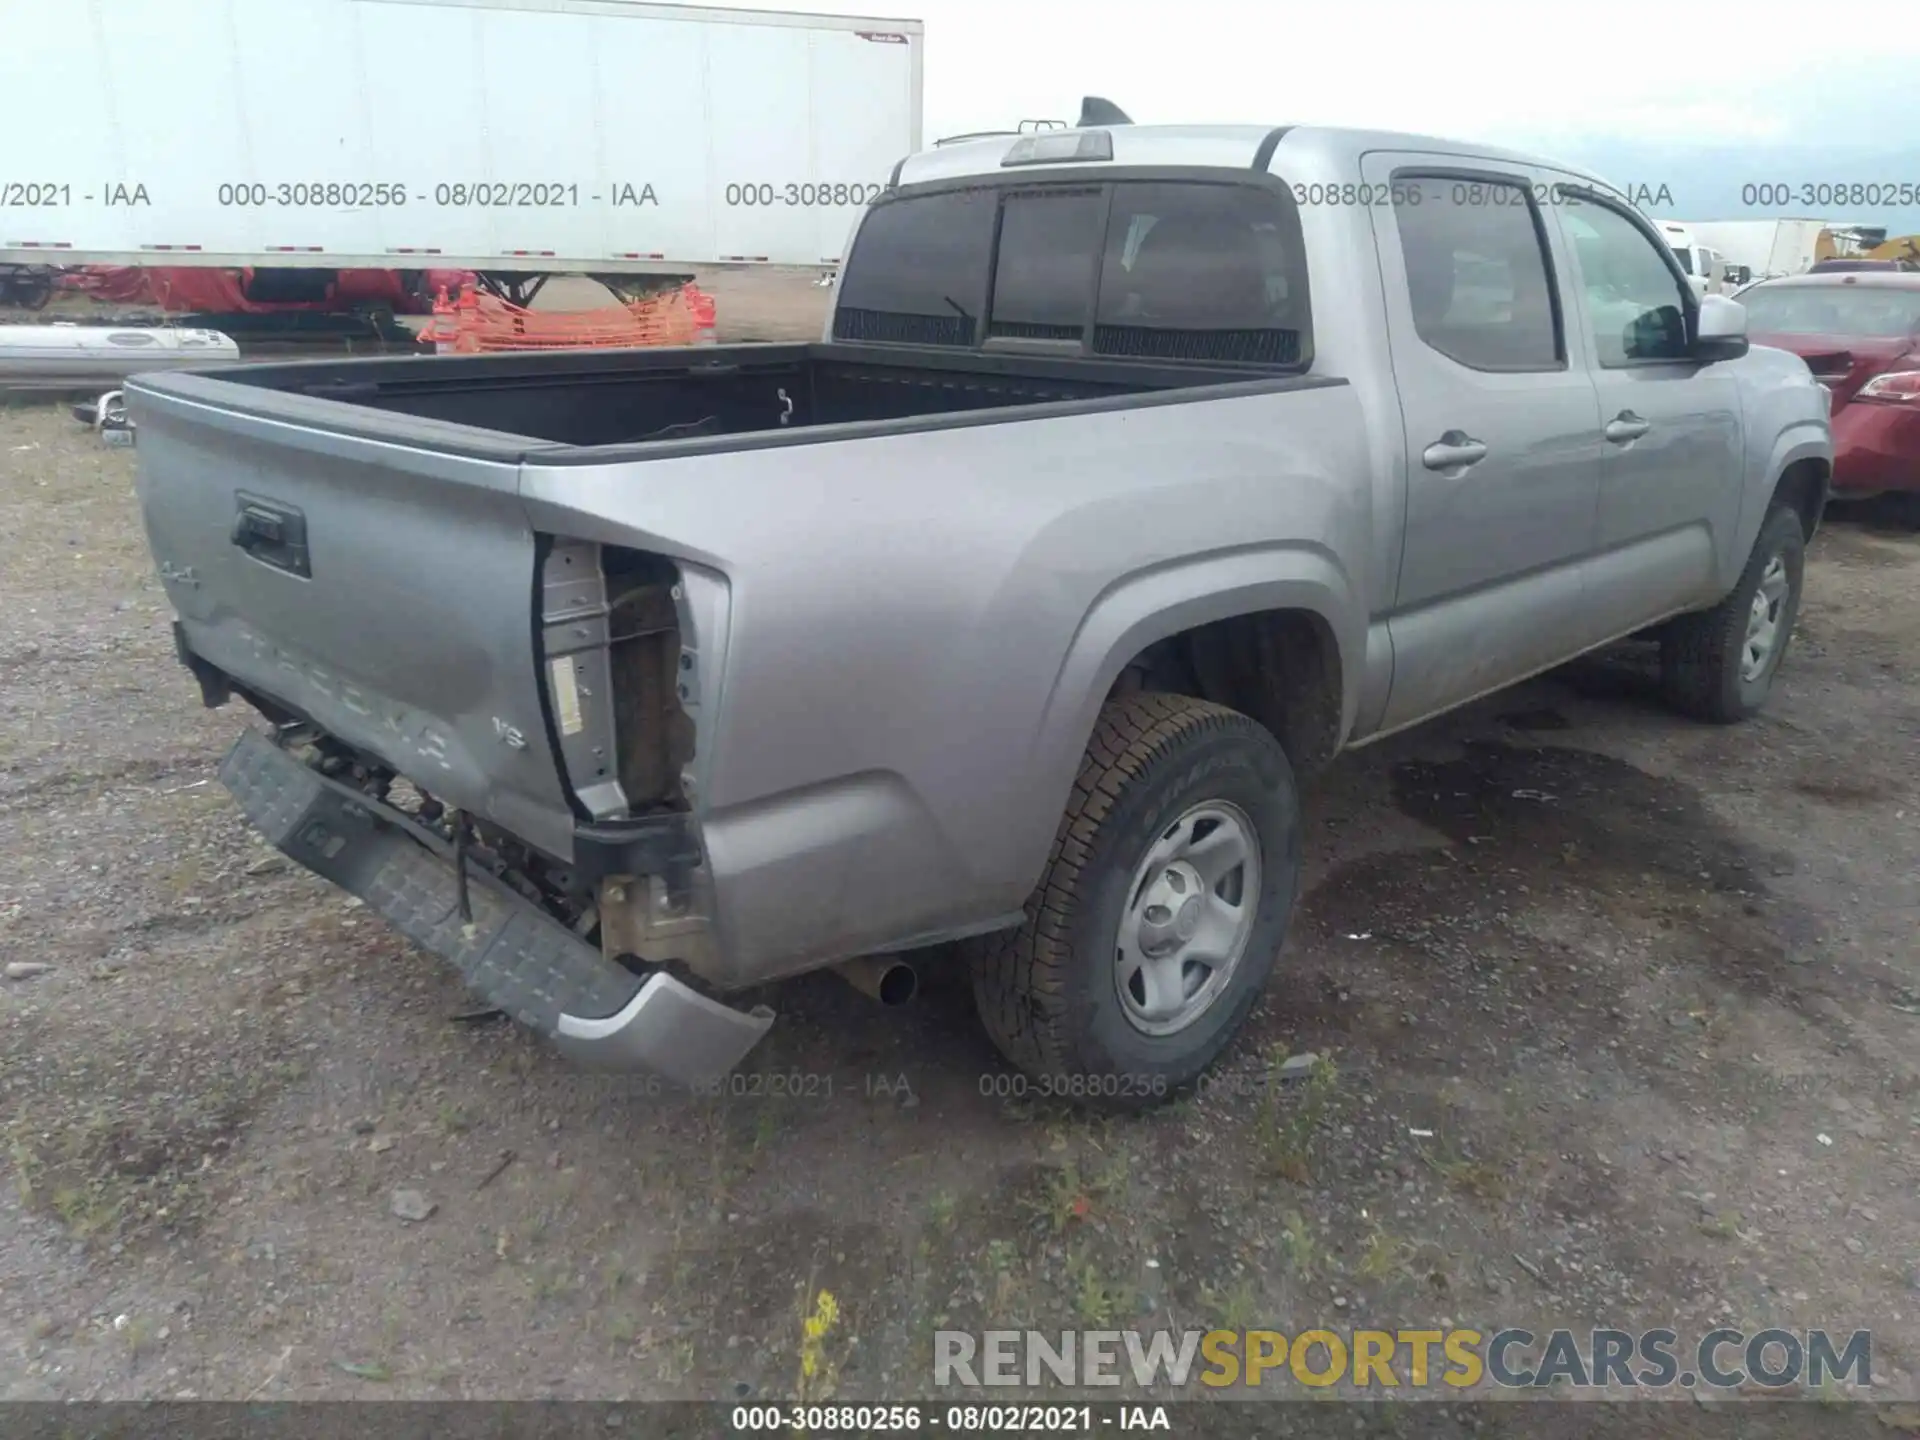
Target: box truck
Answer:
[[510, 137], [1765, 247]]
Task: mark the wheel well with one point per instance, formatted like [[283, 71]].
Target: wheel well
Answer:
[[1280, 667], [1803, 488]]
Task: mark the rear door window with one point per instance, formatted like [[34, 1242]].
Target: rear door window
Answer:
[[1478, 279]]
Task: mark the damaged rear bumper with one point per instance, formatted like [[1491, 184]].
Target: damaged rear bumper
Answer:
[[512, 953]]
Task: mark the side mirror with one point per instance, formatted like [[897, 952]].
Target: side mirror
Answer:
[[1720, 330]]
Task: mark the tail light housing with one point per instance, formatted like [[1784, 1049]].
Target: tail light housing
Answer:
[[1895, 387]]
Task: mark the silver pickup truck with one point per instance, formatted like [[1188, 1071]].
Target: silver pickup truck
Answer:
[[1140, 471]]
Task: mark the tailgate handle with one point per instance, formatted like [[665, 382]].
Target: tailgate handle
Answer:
[[272, 533]]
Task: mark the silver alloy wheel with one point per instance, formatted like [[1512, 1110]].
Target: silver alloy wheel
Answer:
[[1763, 621], [1190, 909]]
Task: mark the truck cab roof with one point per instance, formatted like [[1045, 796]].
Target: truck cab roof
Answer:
[[1306, 148]]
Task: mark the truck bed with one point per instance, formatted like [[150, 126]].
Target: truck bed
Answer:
[[503, 406]]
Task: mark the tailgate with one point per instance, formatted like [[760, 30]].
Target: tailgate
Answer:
[[377, 581]]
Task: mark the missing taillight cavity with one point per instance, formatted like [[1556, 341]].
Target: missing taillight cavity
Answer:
[[656, 735], [611, 654]]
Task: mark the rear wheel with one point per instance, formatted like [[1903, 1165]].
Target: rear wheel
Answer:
[[1163, 905], [1718, 665]]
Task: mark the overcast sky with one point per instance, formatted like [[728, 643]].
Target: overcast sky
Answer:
[[1701, 97]]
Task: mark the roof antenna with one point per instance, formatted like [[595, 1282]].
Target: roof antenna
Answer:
[[1095, 111]]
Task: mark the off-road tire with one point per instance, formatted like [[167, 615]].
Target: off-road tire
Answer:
[[1700, 653], [1046, 992]]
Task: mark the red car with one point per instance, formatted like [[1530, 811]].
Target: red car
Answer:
[[1859, 332]]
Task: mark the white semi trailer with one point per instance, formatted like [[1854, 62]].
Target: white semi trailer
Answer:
[[524, 137]]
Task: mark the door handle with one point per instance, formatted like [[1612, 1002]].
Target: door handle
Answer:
[[1627, 426], [1454, 450]]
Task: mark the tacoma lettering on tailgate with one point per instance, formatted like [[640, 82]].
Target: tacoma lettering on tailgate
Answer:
[[413, 732]]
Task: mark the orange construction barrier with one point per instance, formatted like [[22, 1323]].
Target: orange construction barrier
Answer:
[[430, 333], [480, 323]]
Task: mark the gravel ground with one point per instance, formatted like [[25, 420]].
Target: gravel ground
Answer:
[[1621, 1018]]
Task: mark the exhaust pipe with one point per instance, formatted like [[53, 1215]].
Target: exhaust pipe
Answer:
[[886, 978]]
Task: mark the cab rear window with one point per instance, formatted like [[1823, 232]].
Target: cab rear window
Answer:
[[1202, 272], [1042, 285], [1166, 270], [916, 270]]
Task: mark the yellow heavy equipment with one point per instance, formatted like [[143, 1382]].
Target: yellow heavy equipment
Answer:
[[1903, 248]]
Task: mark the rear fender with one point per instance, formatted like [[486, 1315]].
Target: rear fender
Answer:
[[1152, 605]]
